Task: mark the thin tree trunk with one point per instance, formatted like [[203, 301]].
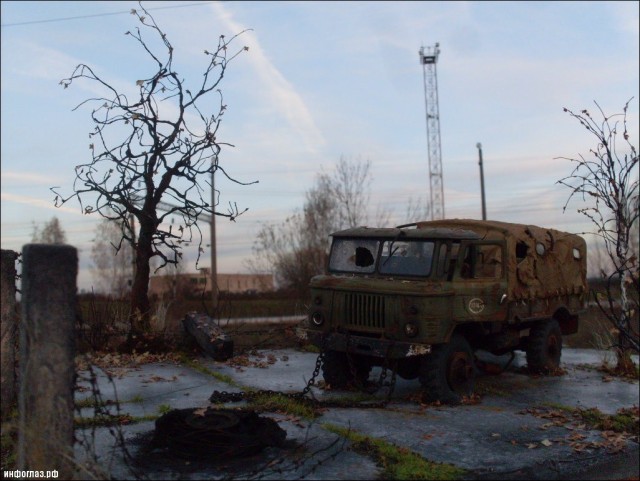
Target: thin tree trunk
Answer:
[[140, 305], [624, 362]]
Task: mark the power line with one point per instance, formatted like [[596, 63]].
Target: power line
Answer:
[[64, 19]]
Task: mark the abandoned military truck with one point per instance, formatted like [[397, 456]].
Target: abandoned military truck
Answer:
[[421, 298]]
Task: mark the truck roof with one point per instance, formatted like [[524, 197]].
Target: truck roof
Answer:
[[457, 229], [403, 232]]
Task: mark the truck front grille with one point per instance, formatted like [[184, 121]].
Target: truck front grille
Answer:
[[364, 311]]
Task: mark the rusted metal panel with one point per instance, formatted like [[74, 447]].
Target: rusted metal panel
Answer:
[[554, 262]]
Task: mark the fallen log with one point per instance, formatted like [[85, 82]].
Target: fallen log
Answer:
[[209, 336]]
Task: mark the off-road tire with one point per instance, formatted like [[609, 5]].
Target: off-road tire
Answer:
[[341, 370], [448, 373], [544, 347]]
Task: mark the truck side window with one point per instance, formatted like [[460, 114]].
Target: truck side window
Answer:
[[453, 258], [482, 262], [488, 262], [442, 260], [521, 251], [466, 270]]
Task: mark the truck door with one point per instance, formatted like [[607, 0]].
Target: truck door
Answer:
[[480, 282]]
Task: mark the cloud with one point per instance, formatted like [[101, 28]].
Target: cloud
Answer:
[[28, 177], [41, 203], [34, 60], [275, 86], [625, 14], [33, 66]]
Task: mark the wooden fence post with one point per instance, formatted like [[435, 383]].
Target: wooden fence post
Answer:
[[8, 328], [47, 351]]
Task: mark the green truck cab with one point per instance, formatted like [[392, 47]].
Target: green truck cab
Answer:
[[421, 298]]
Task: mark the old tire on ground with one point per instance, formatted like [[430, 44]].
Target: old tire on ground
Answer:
[[341, 370], [215, 434], [448, 373], [544, 347]]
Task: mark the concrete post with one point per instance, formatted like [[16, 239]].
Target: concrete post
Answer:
[[47, 351], [8, 327]]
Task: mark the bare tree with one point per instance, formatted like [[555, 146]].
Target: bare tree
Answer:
[[298, 248], [416, 210], [608, 180], [349, 188], [113, 261], [51, 233], [168, 146]]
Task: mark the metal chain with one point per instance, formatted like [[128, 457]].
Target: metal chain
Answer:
[[225, 396]]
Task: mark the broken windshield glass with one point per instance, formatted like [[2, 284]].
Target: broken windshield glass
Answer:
[[397, 257], [354, 255]]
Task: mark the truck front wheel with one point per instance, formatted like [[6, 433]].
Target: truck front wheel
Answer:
[[341, 370], [544, 347], [448, 373]]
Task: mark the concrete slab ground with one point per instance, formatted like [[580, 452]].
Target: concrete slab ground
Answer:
[[510, 433]]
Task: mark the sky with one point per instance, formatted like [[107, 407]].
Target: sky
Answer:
[[321, 81]]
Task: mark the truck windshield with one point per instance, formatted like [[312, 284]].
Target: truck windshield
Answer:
[[409, 258], [397, 257], [354, 255]]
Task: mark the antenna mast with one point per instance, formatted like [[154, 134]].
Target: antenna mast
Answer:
[[428, 59]]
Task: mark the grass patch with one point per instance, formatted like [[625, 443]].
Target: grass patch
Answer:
[[282, 404], [310, 348], [104, 420], [397, 462], [91, 402], [625, 420], [196, 366]]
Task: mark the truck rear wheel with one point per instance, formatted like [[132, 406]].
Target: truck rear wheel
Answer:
[[448, 373], [341, 370], [544, 347]]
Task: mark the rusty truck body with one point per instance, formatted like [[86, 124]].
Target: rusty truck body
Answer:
[[421, 298]]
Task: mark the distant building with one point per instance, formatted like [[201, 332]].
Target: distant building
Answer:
[[199, 283]]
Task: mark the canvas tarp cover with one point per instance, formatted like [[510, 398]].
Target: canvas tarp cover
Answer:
[[541, 263]]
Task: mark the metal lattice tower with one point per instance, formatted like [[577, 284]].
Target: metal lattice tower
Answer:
[[428, 59]]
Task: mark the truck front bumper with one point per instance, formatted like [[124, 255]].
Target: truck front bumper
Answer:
[[383, 348]]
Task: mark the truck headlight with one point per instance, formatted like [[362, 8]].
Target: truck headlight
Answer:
[[410, 329], [317, 318]]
